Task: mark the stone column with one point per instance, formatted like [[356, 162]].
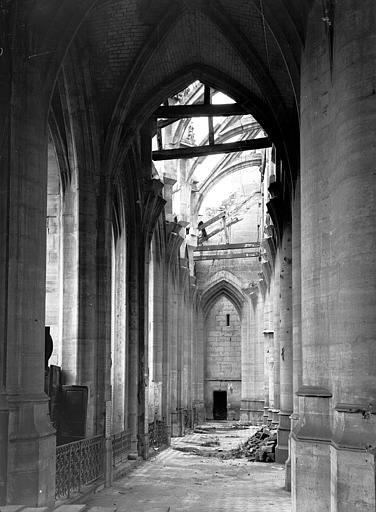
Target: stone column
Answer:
[[80, 217], [352, 184], [276, 340], [27, 440], [133, 345], [296, 322], [259, 391], [54, 284], [88, 363], [166, 361], [249, 339], [118, 329], [268, 336], [70, 307], [180, 354], [296, 302], [158, 335], [271, 352], [104, 354], [187, 383], [285, 345], [200, 364], [310, 442], [173, 349]]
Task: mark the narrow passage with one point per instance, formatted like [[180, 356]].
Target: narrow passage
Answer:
[[194, 474]]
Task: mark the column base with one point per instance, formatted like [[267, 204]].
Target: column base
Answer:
[[353, 459], [310, 475], [143, 450], [310, 452], [353, 480], [176, 427], [284, 429], [199, 412], [31, 452], [265, 416], [4, 422], [168, 435], [288, 474], [275, 418]]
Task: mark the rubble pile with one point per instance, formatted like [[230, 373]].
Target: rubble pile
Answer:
[[203, 429], [260, 447]]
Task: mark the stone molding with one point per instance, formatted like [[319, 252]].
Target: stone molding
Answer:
[[314, 391], [226, 288], [356, 408]]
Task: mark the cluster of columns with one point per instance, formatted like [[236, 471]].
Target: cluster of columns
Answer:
[[333, 465], [267, 378], [322, 348]]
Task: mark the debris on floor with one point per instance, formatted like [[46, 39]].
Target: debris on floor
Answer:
[[260, 447], [221, 427], [210, 442], [202, 429]]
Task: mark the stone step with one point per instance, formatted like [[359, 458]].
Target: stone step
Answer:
[[60, 508], [35, 509], [70, 508], [102, 509], [11, 508], [23, 508]]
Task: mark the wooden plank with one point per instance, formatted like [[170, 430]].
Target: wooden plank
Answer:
[[228, 247], [159, 138], [211, 221], [211, 131], [216, 231], [163, 123], [207, 98], [199, 110], [207, 101], [199, 151], [204, 257]]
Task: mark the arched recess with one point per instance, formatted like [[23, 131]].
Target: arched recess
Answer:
[[226, 288], [225, 332], [77, 156]]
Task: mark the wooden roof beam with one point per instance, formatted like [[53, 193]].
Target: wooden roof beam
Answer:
[[215, 149], [199, 110]]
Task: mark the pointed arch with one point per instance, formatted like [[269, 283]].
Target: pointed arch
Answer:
[[224, 288], [181, 79]]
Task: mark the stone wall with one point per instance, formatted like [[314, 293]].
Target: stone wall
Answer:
[[223, 357]]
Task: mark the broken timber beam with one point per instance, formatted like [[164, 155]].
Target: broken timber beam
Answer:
[[215, 149], [216, 231], [200, 257], [211, 221], [199, 110], [228, 247]]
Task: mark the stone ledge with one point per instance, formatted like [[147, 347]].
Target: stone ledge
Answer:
[[355, 408], [35, 509], [70, 508], [310, 439], [314, 391], [11, 508]]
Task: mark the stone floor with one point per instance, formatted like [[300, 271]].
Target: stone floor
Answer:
[[183, 481]]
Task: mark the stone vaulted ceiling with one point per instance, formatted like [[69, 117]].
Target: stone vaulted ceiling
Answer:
[[139, 48], [141, 51]]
